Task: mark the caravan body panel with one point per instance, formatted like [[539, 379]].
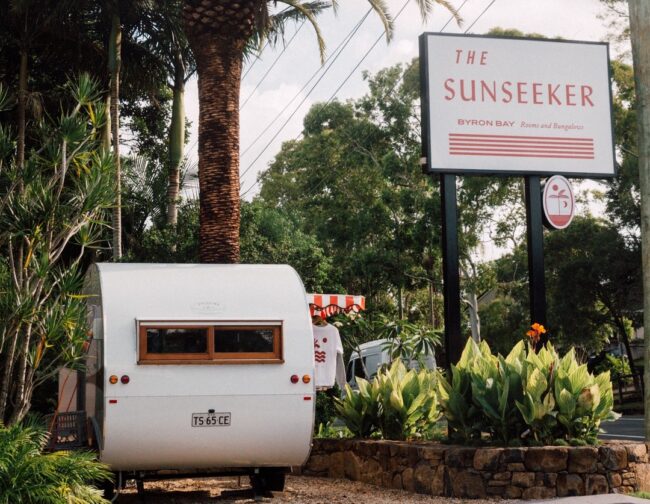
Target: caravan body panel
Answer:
[[147, 423]]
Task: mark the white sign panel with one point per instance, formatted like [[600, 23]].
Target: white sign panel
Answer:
[[516, 106]]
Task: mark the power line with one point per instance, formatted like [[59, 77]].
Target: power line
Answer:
[[336, 51], [268, 71], [250, 67], [363, 58], [481, 15], [284, 124]]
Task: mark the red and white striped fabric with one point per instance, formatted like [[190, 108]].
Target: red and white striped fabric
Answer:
[[330, 304], [461, 144]]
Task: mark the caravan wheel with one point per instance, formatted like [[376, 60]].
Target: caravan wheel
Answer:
[[268, 481]]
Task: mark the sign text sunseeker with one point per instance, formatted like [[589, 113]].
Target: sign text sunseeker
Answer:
[[520, 106]]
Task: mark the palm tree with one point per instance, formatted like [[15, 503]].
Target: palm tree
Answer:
[[171, 46], [218, 32]]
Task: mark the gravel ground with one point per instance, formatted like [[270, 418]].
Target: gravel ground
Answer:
[[298, 490]]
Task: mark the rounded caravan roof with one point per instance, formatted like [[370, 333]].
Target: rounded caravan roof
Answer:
[[200, 291]]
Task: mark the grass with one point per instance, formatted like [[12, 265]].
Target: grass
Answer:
[[641, 495]]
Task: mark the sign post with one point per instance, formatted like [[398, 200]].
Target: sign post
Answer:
[[535, 243], [514, 107]]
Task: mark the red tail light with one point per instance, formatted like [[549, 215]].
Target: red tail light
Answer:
[[125, 379], [295, 378]]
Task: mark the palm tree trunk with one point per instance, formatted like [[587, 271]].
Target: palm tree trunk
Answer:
[[106, 131], [114, 65], [176, 140], [22, 107], [219, 64]]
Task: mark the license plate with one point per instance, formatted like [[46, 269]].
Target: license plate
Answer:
[[210, 419]]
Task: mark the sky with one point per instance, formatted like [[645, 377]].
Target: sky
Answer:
[[270, 85]]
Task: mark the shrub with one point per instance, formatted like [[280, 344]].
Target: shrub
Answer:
[[536, 398], [359, 409], [28, 475], [398, 403], [408, 404], [325, 407]]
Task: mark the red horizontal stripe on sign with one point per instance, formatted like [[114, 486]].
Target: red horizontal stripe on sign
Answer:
[[489, 141], [556, 156], [476, 135], [529, 150], [518, 146]]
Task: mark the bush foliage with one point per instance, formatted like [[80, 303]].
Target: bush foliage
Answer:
[[398, 404], [29, 475], [524, 398]]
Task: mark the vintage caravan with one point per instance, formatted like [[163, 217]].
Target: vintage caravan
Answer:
[[195, 367]]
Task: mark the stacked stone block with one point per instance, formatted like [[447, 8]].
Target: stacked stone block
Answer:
[[512, 473]]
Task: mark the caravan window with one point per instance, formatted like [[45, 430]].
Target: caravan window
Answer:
[[245, 340], [171, 343], [177, 340]]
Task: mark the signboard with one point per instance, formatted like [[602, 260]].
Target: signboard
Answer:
[[516, 106], [558, 202]]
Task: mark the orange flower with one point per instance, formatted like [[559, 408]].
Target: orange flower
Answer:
[[539, 328], [535, 332]]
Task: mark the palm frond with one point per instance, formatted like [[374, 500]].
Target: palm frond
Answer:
[[272, 27], [381, 8]]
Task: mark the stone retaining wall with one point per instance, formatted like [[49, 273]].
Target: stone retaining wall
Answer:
[[453, 471]]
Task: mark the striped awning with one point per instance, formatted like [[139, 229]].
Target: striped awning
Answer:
[[331, 304]]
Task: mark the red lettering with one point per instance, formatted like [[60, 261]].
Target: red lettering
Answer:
[[505, 87], [462, 91], [458, 53], [585, 93], [570, 95], [448, 87], [552, 96], [470, 57], [521, 93], [486, 90], [537, 93], [483, 57]]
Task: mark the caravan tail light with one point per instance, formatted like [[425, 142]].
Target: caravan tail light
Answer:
[[306, 378], [113, 379], [294, 378], [125, 379]]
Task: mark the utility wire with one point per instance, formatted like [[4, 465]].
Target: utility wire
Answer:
[[363, 58], [304, 99], [268, 71], [480, 15], [330, 99], [336, 51], [250, 67]]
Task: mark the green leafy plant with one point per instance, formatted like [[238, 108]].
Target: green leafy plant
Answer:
[[359, 409], [408, 341], [29, 475], [408, 402], [326, 407], [53, 209], [398, 403], [526, 397], [583, 400], [455, 396]]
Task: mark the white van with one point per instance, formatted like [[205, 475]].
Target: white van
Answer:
[[371, 356], [195, 367]]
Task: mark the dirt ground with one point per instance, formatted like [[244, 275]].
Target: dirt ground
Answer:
[[298, 490]]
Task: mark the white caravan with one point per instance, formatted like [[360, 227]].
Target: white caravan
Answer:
[[197, 367], [376, 354]]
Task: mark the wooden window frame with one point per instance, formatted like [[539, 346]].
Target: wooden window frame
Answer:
[[211, 357]]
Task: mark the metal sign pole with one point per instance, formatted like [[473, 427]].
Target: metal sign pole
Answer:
[[535, 239], [451, 277]]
